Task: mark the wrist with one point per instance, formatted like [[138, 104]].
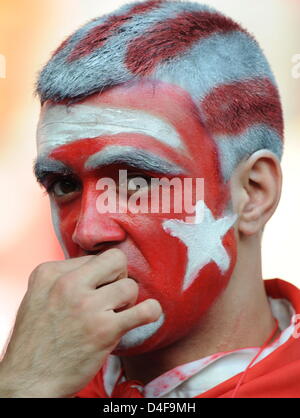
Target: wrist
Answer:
[[11, 386]]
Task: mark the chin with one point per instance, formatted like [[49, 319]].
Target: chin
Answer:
[[133, 342]]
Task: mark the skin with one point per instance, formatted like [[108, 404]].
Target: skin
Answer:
[[65, 297], [84, 230], [241, 316]]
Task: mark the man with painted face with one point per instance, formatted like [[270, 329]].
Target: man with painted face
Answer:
[[157, 304]]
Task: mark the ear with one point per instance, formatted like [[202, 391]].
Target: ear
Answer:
[[256, 188]]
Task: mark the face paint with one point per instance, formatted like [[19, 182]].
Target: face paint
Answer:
[[138, 335], [203, 240], [56, 226], [60, 125], [162, 249], [135, 157]]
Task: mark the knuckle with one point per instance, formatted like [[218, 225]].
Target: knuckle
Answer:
[[64, 285], [41, 273], [145, 312], [80, 305], [128, 288], [41, 269], [32, 280]]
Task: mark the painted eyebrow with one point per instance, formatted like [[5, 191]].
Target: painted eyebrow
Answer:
[[44, 166], [133, 157]]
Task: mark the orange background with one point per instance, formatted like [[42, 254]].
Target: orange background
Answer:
[[29, 31]]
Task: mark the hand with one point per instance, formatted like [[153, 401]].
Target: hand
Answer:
[[72, 316]]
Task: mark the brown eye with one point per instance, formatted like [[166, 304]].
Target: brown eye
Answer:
[[65, 188]]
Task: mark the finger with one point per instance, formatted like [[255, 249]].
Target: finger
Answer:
[[50, 271], [102, 269], [71, 264], [117, 295], [144, 313]]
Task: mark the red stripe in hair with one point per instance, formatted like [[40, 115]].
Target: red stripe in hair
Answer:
[[99, 35], [172, 37], [230, 109]]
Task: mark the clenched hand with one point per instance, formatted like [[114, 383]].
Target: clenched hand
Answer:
[[72, 316]]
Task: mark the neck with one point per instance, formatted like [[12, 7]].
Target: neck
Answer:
[[241, 317]]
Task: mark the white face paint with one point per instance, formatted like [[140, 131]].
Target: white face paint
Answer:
[[60, 125], [56, 226], [138, 335], [203, 240]]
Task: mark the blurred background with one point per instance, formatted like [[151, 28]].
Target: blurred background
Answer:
[[29, 31]]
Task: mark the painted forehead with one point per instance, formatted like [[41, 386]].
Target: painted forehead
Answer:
[[162, 112]]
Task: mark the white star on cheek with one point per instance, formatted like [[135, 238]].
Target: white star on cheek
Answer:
[[203, 241]]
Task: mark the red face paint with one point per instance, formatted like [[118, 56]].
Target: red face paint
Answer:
[[156, 260]]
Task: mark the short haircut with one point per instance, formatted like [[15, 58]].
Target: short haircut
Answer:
[[189, 45]]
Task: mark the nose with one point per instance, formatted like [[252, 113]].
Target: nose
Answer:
[[95, 232]]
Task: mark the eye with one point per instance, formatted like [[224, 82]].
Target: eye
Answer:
[[64, 189]]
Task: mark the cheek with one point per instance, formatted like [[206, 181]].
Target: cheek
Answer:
[[164, 256], [210, 281], [185, 309], [56, 221], [67, 217]]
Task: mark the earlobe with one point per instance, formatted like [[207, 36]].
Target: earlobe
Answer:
[[260, 183]]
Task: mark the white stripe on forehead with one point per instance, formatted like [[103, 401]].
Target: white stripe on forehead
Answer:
[[60, 125]]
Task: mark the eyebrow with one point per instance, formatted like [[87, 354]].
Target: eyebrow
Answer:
[[133, 157], [43, 166]]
